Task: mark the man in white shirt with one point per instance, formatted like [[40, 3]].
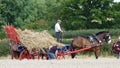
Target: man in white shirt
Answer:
[[58, 30]]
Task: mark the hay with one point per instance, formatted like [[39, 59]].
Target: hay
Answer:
[[31, 39]]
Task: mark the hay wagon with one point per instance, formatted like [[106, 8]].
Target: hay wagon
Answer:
[[18, 51]]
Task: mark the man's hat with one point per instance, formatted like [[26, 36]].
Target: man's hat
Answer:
[[59, 20]]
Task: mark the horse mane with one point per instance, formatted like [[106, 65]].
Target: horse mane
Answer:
[[102, 32]]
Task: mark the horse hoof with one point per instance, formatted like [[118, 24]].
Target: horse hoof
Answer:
[[96, 57]]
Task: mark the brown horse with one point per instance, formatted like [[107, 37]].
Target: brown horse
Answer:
[[94, 41]]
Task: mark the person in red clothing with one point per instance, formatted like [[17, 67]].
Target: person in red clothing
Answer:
[[116, 48]]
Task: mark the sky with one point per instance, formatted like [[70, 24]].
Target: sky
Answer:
[[116, 0]]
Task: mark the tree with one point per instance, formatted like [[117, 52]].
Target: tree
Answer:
[[116, 15], [21, 12], [86, 12]]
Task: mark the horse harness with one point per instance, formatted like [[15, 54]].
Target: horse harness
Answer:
[[92, 39]]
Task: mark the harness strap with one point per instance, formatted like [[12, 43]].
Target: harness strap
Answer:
[[98, 39], [91, 39]]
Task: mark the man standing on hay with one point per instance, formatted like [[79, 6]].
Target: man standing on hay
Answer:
[[58, 30]]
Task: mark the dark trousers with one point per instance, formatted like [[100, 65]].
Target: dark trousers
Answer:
[[51, 56], [118, 55], [58, 36]]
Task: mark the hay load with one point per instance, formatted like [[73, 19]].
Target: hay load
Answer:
[[31, 39]]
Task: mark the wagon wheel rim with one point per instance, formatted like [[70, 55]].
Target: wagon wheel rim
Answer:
[[23, 54]]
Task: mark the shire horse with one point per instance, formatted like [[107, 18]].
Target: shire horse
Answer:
[[94, 42]]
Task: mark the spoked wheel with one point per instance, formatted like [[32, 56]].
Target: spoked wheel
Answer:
[[15, 55], [35, 54], [60, 56], [25, 54], [12, 56], [44, 56], [38, 55]]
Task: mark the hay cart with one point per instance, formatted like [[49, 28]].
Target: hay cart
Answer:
[[18, 51]]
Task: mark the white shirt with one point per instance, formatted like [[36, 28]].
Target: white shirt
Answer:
[[57, 27]]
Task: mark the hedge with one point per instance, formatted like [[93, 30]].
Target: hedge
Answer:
[[71, 34], [4, 48]]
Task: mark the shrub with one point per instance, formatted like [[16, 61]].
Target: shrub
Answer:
[[4, 48], [106, 50], [71, 34], [2, 34]]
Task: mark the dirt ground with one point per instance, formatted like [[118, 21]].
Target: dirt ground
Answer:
[[66, 63]]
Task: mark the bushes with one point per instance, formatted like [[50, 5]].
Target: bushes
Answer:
[[2, 34], [71, 34], [4, 48], [106, 50]]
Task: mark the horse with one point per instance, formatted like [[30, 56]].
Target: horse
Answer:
[[94, 42]]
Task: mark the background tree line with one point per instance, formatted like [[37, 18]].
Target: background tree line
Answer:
[[75, 14]]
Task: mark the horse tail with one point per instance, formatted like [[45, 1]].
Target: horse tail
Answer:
[[71, 45]]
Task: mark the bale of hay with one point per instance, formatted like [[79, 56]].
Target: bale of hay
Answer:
[[31, 39]]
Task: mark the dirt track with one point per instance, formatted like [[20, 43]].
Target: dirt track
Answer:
[[67, 63]]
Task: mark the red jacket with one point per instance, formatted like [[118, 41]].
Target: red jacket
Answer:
[[116, 47]]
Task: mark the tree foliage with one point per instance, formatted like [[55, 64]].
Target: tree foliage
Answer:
[[75, 14]]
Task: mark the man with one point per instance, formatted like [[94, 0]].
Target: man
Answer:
[[58, 30], [116, 48], [52, 50]]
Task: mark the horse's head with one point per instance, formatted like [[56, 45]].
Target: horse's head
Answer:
[[104, 35]]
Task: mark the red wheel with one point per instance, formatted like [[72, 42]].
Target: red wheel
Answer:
[[25, 54], [22, 55], [35, 54], [38, 55], [46, 56], [14, 55], [60, 55]]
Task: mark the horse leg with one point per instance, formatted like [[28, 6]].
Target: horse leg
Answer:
[[42, 56], [73, 55], [96, 52]]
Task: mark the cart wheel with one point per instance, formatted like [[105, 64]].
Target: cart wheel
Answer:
[[12, 56], [38, 55], [60, 56], [22, 55], [46, 56], [25, 54], [15, 55]]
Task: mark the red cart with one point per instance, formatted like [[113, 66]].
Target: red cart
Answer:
[[18, 51]]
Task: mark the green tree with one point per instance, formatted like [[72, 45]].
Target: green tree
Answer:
[[21, 12], [116, 12], [87, 12]]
